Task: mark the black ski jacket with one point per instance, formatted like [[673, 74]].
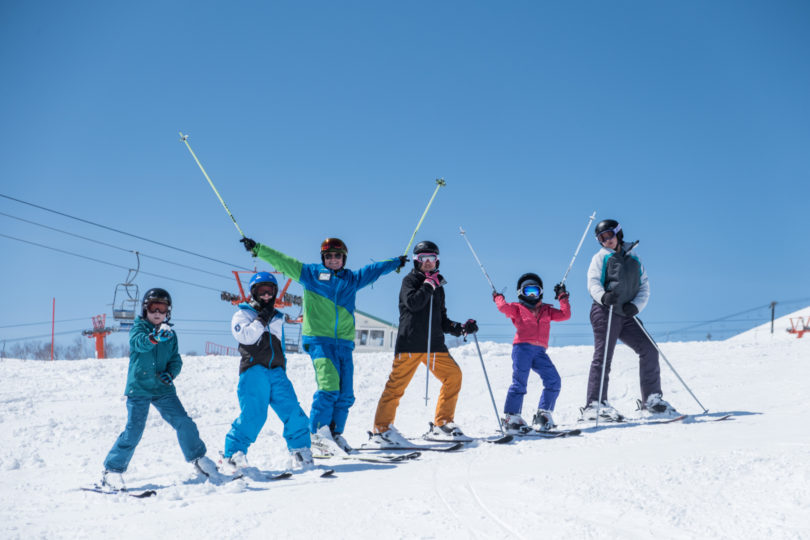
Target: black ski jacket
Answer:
[[414, 307]]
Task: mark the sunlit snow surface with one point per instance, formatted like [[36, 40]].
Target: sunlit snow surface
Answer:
[[748, 477]]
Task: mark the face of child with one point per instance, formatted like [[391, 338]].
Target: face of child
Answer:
[[156, 312]]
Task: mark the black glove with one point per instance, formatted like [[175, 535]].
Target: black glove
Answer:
[[402, 260], [470, 327], [166, 378], [630, 309], [249, 243], [265, 314], [560, 292], [456, 329], [610, 298]]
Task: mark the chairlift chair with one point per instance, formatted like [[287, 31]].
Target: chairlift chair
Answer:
[[126, 299]]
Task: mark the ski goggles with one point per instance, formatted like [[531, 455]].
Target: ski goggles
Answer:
[[158, 307], [532, 290], [604, 236], [427, 257], [333, 255], [265, 290]]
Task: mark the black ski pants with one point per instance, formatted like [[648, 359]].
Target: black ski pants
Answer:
[[628, 331]]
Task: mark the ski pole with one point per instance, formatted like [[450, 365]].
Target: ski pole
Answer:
[[590, 220], [705, 410], [184, 138], [486, 377], [439, 183], [604, 364], [464, 235], [427, 360]]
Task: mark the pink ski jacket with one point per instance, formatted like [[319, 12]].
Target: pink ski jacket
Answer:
[[532, 325]]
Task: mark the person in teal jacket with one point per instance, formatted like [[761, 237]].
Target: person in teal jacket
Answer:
[[328, 329], [154, 364]]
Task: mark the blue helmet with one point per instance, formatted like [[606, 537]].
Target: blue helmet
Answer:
[[262, 277]]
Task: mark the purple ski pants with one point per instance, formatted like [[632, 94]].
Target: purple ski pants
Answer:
[[627, 330]]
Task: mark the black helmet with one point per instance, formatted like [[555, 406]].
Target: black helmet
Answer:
[[527, 279], [609, 225], [425, 246], [156, 295]]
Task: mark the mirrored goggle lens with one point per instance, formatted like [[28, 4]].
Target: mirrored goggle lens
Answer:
[[163, 309], [332, 255], [532, 290], [267, 290], [431, 257], [607, 235]]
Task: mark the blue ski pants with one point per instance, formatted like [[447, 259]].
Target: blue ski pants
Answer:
[[258, 389], [334, 374], [526, 358], [172, 411]]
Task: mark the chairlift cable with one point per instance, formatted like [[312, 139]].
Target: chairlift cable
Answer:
[[125, 233]]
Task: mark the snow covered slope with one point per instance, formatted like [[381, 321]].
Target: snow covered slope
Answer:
[[748, 477]]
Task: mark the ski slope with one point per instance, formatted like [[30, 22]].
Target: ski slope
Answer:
[[748, 477]]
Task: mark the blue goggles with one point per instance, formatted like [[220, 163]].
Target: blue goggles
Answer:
[[532, 290]]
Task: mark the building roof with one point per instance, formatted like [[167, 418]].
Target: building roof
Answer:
[[370, 316]]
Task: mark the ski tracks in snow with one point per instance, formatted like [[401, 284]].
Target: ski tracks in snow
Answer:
[[461, 499]]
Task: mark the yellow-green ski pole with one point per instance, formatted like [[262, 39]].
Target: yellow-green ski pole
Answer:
[[439, 183], [184, 138]]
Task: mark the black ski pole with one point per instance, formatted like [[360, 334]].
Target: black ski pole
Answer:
[[705, 410], [604, 364]]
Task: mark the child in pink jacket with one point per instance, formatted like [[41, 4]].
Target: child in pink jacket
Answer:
[[531, 318]]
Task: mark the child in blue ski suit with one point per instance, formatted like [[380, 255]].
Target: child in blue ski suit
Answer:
[[263, 382], [154, 364]]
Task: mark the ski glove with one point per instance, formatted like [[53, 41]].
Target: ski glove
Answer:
[[456, 329], [434, 279], [610, 298], [470, 327], [249, 243], [160, 334], [560, 292], [402, 260], [265, 314], [496, 294], [166, 378], [630, 309]]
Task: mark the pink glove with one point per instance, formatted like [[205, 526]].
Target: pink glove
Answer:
[[432, 279]]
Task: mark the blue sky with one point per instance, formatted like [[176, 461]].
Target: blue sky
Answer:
[[689, 122]]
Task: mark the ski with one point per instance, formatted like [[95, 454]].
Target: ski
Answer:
[[375, 458], [95, 488], [496, 439], [452, 447], [551, 434]]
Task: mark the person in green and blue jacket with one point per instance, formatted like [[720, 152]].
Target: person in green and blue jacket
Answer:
[[328, 328]]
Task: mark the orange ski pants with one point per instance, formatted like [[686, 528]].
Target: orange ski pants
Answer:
[[442, 366]]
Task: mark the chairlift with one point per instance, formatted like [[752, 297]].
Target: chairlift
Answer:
[[126, 298]]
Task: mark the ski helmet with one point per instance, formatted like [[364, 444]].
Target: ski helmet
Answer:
[[157, 295], [266, 278], [425, 246], [530, 279], [609, 225], [335, 245]]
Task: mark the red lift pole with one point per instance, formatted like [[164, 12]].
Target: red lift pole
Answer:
[[100, 331], [53, 323]]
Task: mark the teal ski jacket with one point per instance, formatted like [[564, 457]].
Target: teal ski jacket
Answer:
[[148, 360]]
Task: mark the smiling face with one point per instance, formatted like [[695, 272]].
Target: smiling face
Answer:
[[333, 260]]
